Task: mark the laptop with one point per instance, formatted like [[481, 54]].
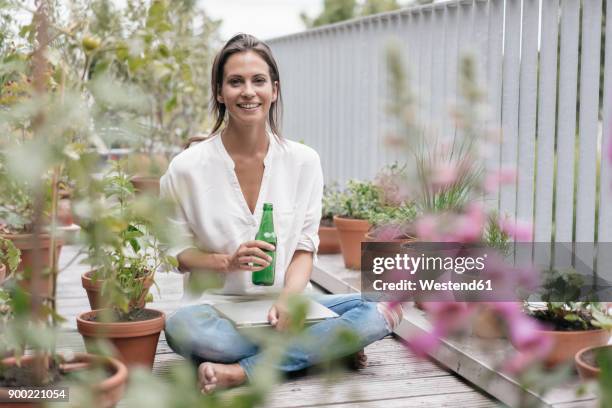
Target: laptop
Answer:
[[255, 313]]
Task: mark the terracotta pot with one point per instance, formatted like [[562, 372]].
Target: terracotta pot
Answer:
[[64, 212], [567, 343], [135, 342], [146, 184], [369, 237], [329, 241], [584, 359], [2, 273], [25, 243], [106, 394], [94, 289], [351, 233]]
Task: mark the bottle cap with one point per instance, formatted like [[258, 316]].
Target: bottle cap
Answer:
[[267, 207]]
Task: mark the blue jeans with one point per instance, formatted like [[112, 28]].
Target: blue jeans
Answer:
[[200, 334]]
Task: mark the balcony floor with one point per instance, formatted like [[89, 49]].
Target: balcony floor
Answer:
[[394, 377]]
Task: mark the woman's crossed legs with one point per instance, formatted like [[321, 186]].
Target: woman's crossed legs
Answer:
[[227, 358]]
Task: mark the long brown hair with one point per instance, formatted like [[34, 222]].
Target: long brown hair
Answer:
[[242, 43]]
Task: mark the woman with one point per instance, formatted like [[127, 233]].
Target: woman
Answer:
[[219, 186]]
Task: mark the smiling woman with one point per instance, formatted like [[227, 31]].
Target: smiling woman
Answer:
[[220, 187], [245, 79]]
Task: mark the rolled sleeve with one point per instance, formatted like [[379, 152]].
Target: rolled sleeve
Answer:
[[309, 236], [182, 236]]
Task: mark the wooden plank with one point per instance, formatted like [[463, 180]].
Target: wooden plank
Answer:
[[566, 119], [579, 404], [589, 107], [474, 359], [465, 36], [588, 133], [382, 153], [362, 387], [425, 64], [480, 38], [546, 122], [527, 110], [463, 399], [510, 102], [494, 87], [415, 57], [439, 112], [450, 83], [604, 257]]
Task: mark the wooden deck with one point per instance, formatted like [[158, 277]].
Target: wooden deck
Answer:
[[393, 378], [472, 358]]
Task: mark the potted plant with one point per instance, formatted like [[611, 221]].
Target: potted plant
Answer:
[[360, 199], [393, 224], [17, 217], [393, 220], [573, 325], [104, 377], [328, 234], [589, 360], [123, 272], [147, 170]]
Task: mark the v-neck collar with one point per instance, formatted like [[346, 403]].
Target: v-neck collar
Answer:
[[231, 167]]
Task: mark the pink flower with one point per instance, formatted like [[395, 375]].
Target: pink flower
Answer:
[[498, 178], [444, 175], [449, 315], [470, 226], [426, 228], [519, 230], [388, 232]]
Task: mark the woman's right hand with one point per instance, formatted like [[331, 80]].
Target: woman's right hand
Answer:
[[250, 256]]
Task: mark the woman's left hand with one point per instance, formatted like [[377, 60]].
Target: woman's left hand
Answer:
[[278, 316]]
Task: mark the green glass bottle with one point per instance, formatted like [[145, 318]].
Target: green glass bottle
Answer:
[[266, 233]]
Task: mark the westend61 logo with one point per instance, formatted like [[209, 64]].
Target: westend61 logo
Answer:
[[437, 271]]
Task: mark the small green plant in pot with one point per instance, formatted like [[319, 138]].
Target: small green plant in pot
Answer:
[[123, 265], [573, 325], [328, 233], [360, 199]]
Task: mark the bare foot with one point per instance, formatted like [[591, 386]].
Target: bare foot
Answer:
[[212, 376], [360, 360]]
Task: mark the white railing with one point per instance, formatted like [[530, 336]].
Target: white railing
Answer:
[[335, 90]]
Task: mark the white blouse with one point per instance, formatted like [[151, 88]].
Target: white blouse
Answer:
[[212, 214]]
